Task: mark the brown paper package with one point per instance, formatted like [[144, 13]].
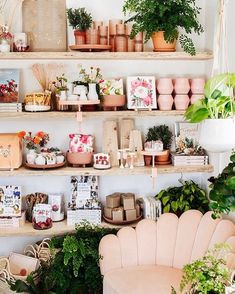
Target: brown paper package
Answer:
[[108, 212], [113, 200], [118, 214], [10, 151], [128, 201], [130, 214]]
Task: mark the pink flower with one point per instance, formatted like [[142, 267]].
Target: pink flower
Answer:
[[148, 100], [71, 136], [144, 84], [135, 84], [84, 139]]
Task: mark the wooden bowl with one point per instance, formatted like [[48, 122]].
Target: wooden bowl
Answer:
[[79, 158]]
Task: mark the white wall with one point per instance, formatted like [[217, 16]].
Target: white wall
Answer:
[[59, 129]]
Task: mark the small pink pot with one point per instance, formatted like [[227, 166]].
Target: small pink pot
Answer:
[[196, 97], [165, 86], [181, 102], [79, 158], [165, 102], [197, 85], [114, 101], [181, 86]]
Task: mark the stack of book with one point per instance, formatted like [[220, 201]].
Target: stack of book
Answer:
[[151, 207], [181, 159], [10, 107]]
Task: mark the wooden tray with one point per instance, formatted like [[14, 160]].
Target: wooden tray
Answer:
[[91, 48], [64, 103], [46, 166], [108, 220]]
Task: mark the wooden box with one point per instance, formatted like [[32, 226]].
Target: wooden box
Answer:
[[10, 151]]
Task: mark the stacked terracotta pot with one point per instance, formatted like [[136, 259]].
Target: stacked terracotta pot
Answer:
[[178, 91]]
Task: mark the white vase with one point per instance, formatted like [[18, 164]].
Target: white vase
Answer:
[[63, 95], [217, 135], [30, 156], [83, 96], [5, 46], [70, 88], [92, 94], [59, 159], [40, 160]]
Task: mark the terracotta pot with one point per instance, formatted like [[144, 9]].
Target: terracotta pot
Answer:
[[181, 86], [147, 160], [79, 158], [197, 85], [165, 102], [80, 37], [114, 100], [160, 44], [196, 97], [164, 157], [181, 102], [165, 86]]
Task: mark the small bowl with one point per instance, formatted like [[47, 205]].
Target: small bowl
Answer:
[[114, 100], [79, 158]]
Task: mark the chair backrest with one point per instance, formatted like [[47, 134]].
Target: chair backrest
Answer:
[[171, 241]]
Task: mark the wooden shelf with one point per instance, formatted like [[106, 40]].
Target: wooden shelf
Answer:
[[58, 228], [106, 55], [90, 114], [115, 171]]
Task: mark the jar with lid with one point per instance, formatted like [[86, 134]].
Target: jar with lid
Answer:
[[42, 219]]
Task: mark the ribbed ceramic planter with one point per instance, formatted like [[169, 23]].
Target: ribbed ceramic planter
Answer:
[[165, 102], [197, 85], [181, 86], [165, 86], [181, 102]]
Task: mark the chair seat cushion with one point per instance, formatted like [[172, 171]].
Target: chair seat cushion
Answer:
[[148, 279]]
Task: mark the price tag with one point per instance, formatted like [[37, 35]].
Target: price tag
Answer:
[[79, 116], [154, 176]]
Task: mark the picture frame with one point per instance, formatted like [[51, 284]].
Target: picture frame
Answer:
[[9, 85], [141, 92]]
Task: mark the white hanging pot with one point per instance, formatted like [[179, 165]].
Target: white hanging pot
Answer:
[[217, 135]]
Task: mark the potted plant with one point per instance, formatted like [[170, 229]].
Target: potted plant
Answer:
[[163, 134], [160, 20], [216, 112], [207, 275], [61, 87], [180, 199], [222, 193], [80, 20]]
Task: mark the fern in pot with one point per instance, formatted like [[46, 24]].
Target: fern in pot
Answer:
[[216, 114], [161, 20]]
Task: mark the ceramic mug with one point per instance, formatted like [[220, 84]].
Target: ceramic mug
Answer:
[[181, 102], [165, 86], [181, 86], [165, 102]]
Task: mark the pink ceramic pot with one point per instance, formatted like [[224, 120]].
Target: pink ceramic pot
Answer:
[[79, 158], [197, 85], [181, 102], [165, 86], [181, 86], [196, 97], [114, 101], [165, 102]]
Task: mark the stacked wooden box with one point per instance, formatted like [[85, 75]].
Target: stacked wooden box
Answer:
[[121, 207]]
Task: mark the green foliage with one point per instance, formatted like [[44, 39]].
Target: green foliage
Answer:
[[74, 267], [79, 19], [222, 193], [208, 275], [165, 15], [180, 199], [218, 101], [162, 133]]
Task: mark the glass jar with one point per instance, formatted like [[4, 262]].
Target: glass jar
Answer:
[[42, 219]]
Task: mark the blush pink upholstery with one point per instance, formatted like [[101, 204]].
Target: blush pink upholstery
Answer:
[[149, 259]]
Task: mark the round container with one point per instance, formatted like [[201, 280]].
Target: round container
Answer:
[[181, 102], [79, 158], [196, 97], [165, 86], [114, 100], [197, 85], [181, 86], [165, 102], [42, 219]]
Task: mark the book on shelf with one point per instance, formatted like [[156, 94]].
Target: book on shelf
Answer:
[[10, 107], [12, 222], [181, 159]]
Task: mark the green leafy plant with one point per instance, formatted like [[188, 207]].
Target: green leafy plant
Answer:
[[61, 84], [218, 101], [74, 267], [207, 275], [79, 19], [165, 15], [180, 199], [161, 133], [222, 193]]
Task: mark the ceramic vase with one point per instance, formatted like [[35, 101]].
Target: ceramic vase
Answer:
[[196, 97], [181, 102], [92, 93], [197, 85], [165, 86], [30, 156], [165, 102], [181, 86], [63, 95], [40, 160], [83, 96], [5, 46]]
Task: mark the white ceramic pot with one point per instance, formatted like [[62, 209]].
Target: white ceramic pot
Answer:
[[63, 95], [92, 94], [40, 160], [59, 158], [30, 156], [83, 96], [217, 135], [5, 46]]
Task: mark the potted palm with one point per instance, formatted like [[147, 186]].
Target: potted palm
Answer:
[[161, 19], [216, 114], [80, 20], [161, 133]]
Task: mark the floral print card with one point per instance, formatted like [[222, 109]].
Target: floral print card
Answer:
[[141, 92], [111, 87], [9, 84]]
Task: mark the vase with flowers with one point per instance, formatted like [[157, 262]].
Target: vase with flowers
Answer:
[[33, 143], [90, 78], [61, 87], [5, 39]]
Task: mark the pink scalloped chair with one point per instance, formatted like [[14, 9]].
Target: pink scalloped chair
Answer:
[[150, 258]]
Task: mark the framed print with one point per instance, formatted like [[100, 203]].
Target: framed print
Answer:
[[111, 87], [141, 92], [9, 85]]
